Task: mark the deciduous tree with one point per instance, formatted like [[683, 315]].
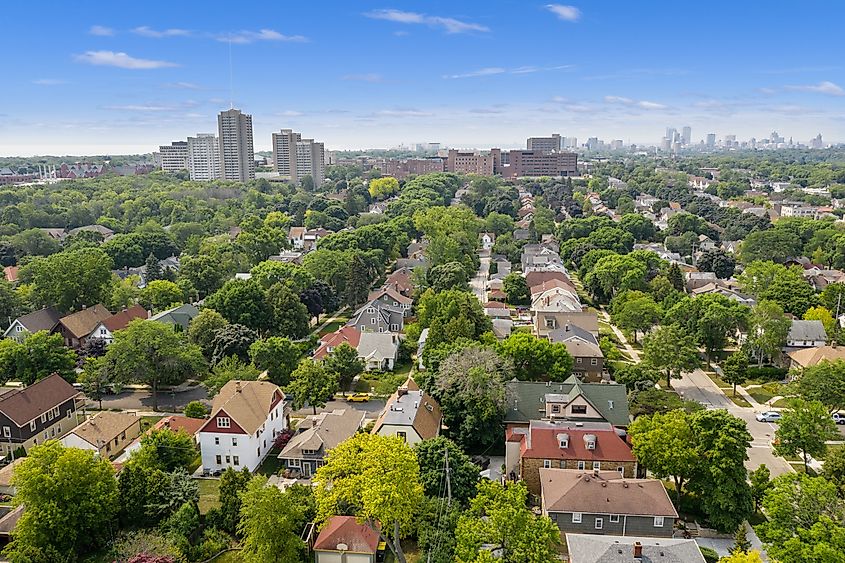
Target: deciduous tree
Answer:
[[804, 429], [311, 384], [671, 350], [268, 524]]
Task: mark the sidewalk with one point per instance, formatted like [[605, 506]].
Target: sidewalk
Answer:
[[635, 356]]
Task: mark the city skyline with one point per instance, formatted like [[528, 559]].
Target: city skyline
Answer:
[[379, 75]]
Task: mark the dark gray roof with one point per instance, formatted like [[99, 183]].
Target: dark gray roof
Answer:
[[181, 315], [43, 319], [807, 330], [590, 548], [572, 331], [526, 399]]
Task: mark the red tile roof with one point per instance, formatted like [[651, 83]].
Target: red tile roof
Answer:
[[11, 273], [536, 278], [544, 444], [348, 334], [121, 319], [358, 538], [175, 423]]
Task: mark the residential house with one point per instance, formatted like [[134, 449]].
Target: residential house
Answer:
[[246, 417], [43, 319], [536, 278], [174, 423], [6, 474], [45, 410], [10, 274], [820, 278], [547, 321], [107, 433], [487, 241], [809, 357], [521, 234], [296, 237], [180, 316], [806, 334], [304, 239], [400, 281], [502, 327], [78, 327], [376, 316], [346, 334], [590, 548], [555, 299], [588, 359], [316, 436], [416, 249], [706, 244], [571, 400], [551, 283], [388, 296], [571, 332], [106, 328], [287, 257], [694, 280], [102, 230], [603, 502], [379, 350], [565, 445], [410, 414], [721, 289], [344, 540]]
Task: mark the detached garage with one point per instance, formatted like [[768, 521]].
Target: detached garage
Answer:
[[343, 540]]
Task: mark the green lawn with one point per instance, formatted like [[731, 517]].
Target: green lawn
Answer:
[[765, 393], [209, 494], [148, 422], [334, 325], [271, 464]]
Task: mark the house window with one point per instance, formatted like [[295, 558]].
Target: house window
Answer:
[[32, 426], [236, 460], [402, 435], [563, 464], [581, 465], [394, 327], [547, 464], [578, 360], [258, 451], [53, 432], [550, 322], [594, 362], [234, 441], [621, 470], [373, 321], [658, 521], [564, 444], [576, 517], [614, 518], [591, 445], [108, 447], [223, 422], [123, 435], [596, 465], [218, 459], [228, 460], [555, 408], [293, 462], [599, 523], [579, 409], [7, 432], [216, 440], [44, 417]]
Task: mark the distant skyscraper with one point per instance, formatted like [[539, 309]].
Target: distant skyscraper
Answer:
[[544, 144], [204, 157], [295, 157], [237, 160], [174, 157], [686, 135], [711, 140]]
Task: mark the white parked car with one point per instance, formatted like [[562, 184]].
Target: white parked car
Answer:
[[769, 416], [838, 418]]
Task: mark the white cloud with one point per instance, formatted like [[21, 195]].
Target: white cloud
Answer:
[[101, 31], [487, 71], [449, 25], [642, 104], [367, 77], [140, 107], [146, 31], [565, 13], [49, 82], [826, 87], [120, 60], [183, 86], [290, 113], [242, 37], [403, 113]]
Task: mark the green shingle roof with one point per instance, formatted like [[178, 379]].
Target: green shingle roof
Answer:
[[527, 399]]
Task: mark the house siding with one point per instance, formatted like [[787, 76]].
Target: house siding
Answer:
[[530, 469], [250, 449], [51, 429], [411, 436], [639, 526]]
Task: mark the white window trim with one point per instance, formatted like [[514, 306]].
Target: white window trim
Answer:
[[576, 517], [599, 523], [224, 422], [658, 521], [613, 519], [547, 464], [596, 465], [581, 465], [7, 432]]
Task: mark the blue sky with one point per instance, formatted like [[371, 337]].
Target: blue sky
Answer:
[[96, 77]]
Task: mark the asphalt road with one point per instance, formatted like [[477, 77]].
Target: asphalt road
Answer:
[[698, 387], [372, 407], [143, 400], [479, 282]]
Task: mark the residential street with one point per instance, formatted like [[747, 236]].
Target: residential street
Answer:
[[479, 282], [372, 407], [697, 386], [143, 400]]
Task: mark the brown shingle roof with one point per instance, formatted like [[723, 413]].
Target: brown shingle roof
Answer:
[[357, 538], [24, 405], [247, 402], [121, 319], [43, 319], [82, 323], [105, 426], [807, 357], [571, 490]]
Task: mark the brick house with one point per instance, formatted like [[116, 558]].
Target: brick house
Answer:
[[583, 446]]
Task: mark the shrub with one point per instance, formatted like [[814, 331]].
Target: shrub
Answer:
[[766, 373], [710, 555]]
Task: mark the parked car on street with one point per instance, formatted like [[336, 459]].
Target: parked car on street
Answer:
[[769, 416], [358, 398], [838, 418]]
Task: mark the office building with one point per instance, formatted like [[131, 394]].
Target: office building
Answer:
[[237, 160], [402, 168], [295, 157], [570, 142], [545, 144], [472, 162], [204, 157], [686, 135], [174, 157], [711, 140], [537, 163]]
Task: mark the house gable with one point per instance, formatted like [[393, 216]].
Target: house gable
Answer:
[[213, 425]]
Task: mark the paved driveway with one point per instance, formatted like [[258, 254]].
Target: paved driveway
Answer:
[[479, 282], [697, 386]]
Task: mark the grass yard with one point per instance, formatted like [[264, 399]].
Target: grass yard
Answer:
[[148, 422], [720, 383], [271, 464], [766, 392], [738, 400], [334, 325], [209, 494]]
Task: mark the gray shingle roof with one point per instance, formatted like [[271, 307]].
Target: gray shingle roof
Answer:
[[572, 331], [589, 548], [526, 399], [807, 330]]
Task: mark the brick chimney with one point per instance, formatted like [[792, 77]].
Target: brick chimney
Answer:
[[638, 551]]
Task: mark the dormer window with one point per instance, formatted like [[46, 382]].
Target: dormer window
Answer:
[[551, 322], [590, 441], [579, 409], [224, 422], [555, 409], [564, 444]]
